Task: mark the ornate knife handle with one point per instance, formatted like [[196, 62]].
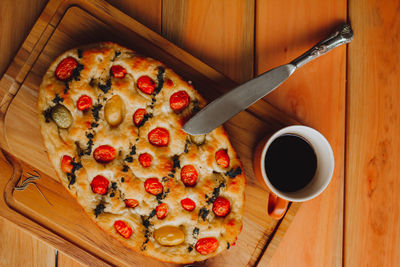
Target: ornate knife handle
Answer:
[[343, 35]]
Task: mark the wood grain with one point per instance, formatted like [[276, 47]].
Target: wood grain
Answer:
[[66, 261], [315, 95], [19, 248], [372, 232], [218, 32], [15, 24], [147, 12]]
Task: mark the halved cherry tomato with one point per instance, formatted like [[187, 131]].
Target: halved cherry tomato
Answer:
[[188, 204], [161, 211], [104, 154], [222, 158], [65, 69], [131, 203], [169, 83], [145, 159], [123, 228], [99, 185], [66, 165], [153, 186], [206, 245], [179, 101], [118, 71], [138, 116], [146, 85], [158, 137], [221, 207], [189, 175], [84, 103]]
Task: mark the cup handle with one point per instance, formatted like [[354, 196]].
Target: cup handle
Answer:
[[276, 206]]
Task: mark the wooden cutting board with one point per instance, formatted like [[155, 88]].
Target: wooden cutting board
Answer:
[[71, 23]]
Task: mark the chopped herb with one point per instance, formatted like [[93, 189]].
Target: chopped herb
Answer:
[[186, 150], [79, 53], [171, 175], [114, 185], [196, 232], [153, 100], [215, 193], [105, 87], [99, 209], [146, 117], [122, 179], [47, 114], [165, 179], [203, 213], [57, 99], [95, 111], [161, 196], [176, 161], [160, 79], [117, 53], [190, 248], [196, 106], [232, 173], [128, 159], [146, 221], [133, 150], [77, 71], [76, 165], [94, 124], [66, 87], [112, 194], [228, 246], [71, 178], [90, 136], [125, 168]]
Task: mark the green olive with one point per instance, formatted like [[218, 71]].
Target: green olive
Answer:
[[61, 116], [113, 110], [169, 236], [198, 139]]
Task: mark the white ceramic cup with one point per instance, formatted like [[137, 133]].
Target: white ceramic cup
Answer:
[[325, 163]]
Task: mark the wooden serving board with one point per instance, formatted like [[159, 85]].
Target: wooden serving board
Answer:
[[64, 25]]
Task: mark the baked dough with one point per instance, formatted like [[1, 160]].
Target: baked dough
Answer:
[[73, 130]]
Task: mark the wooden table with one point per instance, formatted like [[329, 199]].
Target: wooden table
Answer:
[[351, 95]]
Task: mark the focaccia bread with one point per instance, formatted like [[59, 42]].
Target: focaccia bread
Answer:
[[112, 125]]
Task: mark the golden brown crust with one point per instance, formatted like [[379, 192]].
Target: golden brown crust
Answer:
[[125, 173]]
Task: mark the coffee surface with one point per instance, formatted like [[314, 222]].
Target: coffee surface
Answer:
[[290, 163]]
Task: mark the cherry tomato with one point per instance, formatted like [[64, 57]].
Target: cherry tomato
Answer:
[[158, 137], [179, 101], [123, 228], [118, 71], [153, 186], [66, 165], [131, 203], [206, 245], [189, 175], [84, 103], [65, 68], [221, 207], [138, 116], [146, 85], [161, 211], [145, 159], [188, 204], [104, 154], [99, 185], [222, 158]]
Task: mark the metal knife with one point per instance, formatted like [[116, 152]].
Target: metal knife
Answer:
[[228, 105]]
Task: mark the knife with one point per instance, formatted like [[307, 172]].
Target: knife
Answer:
[[228, 105]]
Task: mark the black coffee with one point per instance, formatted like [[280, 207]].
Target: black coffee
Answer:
[[290, 163]]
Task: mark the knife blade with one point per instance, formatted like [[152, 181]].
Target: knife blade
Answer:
[[228, 105]]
